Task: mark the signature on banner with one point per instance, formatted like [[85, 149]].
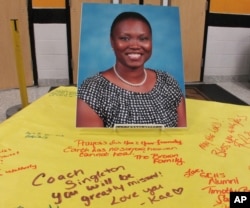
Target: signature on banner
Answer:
[[237, 136]]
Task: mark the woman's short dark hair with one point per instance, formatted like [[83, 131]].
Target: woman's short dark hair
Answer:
[[129, 15]]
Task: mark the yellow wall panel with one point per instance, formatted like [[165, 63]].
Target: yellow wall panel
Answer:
[[230, 6], [13, 9], [48, 3], [129, 1], [153, 2]]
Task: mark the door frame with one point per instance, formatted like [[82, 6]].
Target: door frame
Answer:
[[45, 15]]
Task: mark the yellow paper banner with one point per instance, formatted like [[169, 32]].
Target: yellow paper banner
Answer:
[[46, 162]]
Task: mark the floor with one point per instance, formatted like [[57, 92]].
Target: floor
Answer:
[[239, 89], [9, 99]]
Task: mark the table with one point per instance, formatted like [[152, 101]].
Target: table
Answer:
[[46, 162]]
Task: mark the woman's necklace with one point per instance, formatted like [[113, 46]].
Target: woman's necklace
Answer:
[[129, 83]]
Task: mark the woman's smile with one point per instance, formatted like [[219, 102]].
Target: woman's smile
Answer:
[[134, 56]]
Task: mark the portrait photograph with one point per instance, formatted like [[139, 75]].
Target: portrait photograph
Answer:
[[130, 67]]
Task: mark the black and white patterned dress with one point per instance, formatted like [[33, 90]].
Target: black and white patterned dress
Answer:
[[119, 106]]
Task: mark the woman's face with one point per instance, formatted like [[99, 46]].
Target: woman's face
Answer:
[[132, 43]]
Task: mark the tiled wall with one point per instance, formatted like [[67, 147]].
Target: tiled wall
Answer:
[[51, 53], [227, 54]]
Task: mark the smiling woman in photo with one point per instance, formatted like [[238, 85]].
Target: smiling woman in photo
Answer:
[[127, 92]]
